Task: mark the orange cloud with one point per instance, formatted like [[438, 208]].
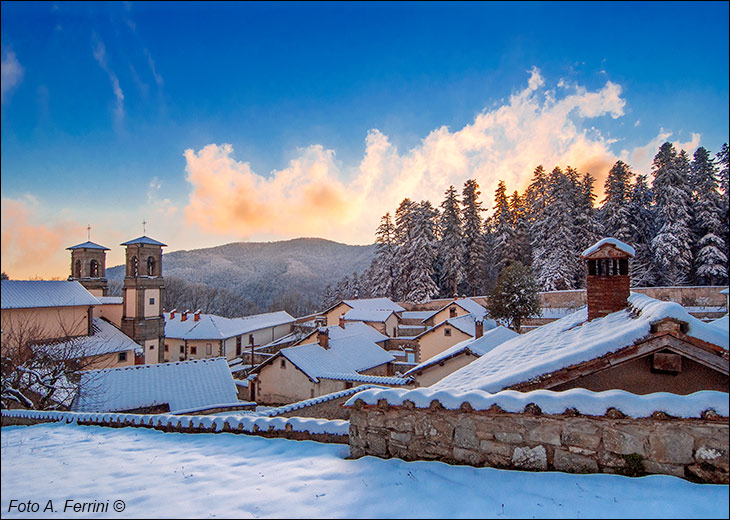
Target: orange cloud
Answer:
[[30, 249]]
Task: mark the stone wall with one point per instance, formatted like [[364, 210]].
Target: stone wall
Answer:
[[707, 296], [695, 449]]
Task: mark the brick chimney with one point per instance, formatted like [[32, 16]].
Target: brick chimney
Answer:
[[172, 314], [184, 315], [342, 321], [608, 284], [478, 329], [196, 316], [323, 337]]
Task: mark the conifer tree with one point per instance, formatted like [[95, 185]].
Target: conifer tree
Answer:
[[673, 243], [520, 250], [451, 248], [721, 159], [502, 229], [710, 249], [515, 296], [403, 235], [642, 226], [381, 276], [475, 254], [588, 229], [420, 255], [614, 212]]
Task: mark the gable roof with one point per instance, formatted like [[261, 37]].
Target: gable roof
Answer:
[[87, 245], [374, 304], [352, 328], [465, 323], [368, 315], [611, 241], [106, 339], [345, 355], [467, 304], [182, 385], [143, 240], [571, 340], [478, 346], [25, 294], [210, 326]]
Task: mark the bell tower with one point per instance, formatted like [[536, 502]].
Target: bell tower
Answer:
[[88, 267], [142, 318], [608, 285]]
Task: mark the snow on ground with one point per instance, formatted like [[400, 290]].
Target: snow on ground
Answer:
[[167, 475]]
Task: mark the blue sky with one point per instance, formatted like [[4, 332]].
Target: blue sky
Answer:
[[333, 112]]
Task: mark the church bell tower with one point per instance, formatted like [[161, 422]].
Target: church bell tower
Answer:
[[142, 318], [88, 267]]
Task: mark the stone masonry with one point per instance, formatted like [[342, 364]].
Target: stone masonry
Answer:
[[695, 449]]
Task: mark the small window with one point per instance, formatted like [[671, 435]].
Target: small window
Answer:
[[193, 350], [311, 393], [152, 301], [452, 312], [182, 349], [122, 357], [167, 347], [208, 349], [152, 347], [348, 384], [250, 339], [238, 345], [283, 363], [447, 331]]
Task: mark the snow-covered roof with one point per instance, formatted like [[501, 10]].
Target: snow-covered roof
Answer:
[[368, 315], [25, 294], [467, 304], [478, 346], [724, 291], [352, 328], [110, 300], [88, 245], [416, 315], [365, 378], [346, 355], [374, 304], [107, 339], [182, 385], [465, 323], [210, 326], [143, 240], [721, 323], [612, 241], [571, 340]]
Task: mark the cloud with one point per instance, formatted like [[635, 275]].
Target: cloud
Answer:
[[640, 158], [12, 74], [100, 56], [315, 195], [30, 248], [157, 204]]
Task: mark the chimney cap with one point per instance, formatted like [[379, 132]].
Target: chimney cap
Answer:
[[608, 245]]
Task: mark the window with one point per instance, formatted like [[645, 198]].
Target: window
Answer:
[[94, 269], [250, 339], [452, 312], [348, 385], [152, 301], [193, 350], [283, 363], [208, 349], [134, 267], [447, 331], [167, 347], [152, 347], [78, 268], [122, 357], [182, 349], [238, 345], [150, 266]]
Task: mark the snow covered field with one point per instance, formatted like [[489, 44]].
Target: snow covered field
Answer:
[[162, 475]]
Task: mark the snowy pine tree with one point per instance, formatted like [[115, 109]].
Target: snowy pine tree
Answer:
[[642, 226], [721, 159], [382, 273], [420, 255], [403, 230], [710, 249], [451, 247], [521, 250], [501, 227], [614, 214], [673, 243], [475, 252]]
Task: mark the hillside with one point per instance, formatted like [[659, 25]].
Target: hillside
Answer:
[[266, 271]]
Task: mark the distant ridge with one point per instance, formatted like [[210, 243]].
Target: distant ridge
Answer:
[[266, 271]]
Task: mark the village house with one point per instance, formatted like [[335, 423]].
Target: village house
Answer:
[[454, 309], [389, 324], [448, 333], [439, 366], [335, 362], [345, 329], [200, 336], [180, 387], [621, 340]]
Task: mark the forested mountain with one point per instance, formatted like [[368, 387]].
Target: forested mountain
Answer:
[[289, 275]]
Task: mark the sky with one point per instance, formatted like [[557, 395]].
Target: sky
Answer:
[[222, 122]]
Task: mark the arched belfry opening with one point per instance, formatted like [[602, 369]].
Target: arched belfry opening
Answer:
[[151, 266], [77, 270], [93, 269], [134, 267]]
